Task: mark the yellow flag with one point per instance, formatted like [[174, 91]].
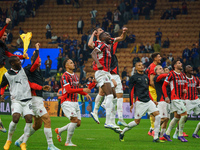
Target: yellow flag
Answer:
[[26, 40]]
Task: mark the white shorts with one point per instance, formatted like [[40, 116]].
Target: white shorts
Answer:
[[38, 106], [102, 77], [142, 108], [23, 108], [71, 109], [164, 109], [178, 106], [119, 88], [192, 105]]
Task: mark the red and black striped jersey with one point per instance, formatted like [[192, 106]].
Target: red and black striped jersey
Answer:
[[193, 84], [114, 69], [104, 56], [177, 82], [71, 81], [150, 70]]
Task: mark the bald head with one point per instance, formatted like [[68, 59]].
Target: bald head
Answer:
[[189, 70]]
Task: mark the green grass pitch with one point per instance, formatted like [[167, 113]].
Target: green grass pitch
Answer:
[[92, 136]]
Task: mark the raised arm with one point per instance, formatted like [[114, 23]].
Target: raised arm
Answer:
[[90, 42], [122, 37], [4, 28]]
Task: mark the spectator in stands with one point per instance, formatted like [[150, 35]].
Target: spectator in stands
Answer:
[[125, 87], [14, 17], [68, 2], [93, 16], [116, 16], [166, 43], [195, 56], [171, 57], [56, 87], [164, 58], [136, 59], [184, 62], [124, 73], [59, 74], [135, 12], [52, 81], [53, 39], [81, 65], [172, 15], [79, 51], [76, 3], [141, 48], [131, 38], [59, 94], [186, 53], [156, 47], [60, 60], [85, 51], [116, 29], [176, 10], [158, 36], [98, 24], [168, 64], [122, 6], [19, 43], [80, 25], [184, 8], [75, 41], [127, 13], [51, 89], [109, 14], [48, 64], [16, 6], [22, 14], [68, 41], [144, 59], [148, 48], [110, 26], [125, 44], [146, 12], [48, 28], [83, 38], [105, 24], [20, 31], [9, 37]]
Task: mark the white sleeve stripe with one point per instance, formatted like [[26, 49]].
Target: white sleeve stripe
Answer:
[[166, 81], [98, 49], [66, 84]]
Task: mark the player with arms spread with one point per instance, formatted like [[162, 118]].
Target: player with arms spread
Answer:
[[34, 75], [139, 89], [178, 86], [92, 45], [20, 99], [151, 74], [69, 101]]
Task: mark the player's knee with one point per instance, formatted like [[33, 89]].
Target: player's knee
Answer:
[[15, 120], [74, 120], [137, 121], [29, 120]]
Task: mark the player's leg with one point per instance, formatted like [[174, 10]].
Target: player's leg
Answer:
[[3, 70], [152, 91], [172, 124], [181, 126], [11, 130], [98, 100], [140, 110], [109, 101], [164, 122], [195, 134]]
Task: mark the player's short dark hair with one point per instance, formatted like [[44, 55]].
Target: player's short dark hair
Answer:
[[174, 62], [154, 55], [64, 62], [12, 59], [137, 63], [165, 68], [48, 56], [95, 29], [101, 35]]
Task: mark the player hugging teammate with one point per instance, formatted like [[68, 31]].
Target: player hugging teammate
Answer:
[[176, 93]]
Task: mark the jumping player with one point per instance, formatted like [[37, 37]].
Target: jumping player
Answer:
[[139, 84], [178, 86], [100, 95], [34, 75], [151, 74], [69, 101], [20, 99], [163, 107]]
